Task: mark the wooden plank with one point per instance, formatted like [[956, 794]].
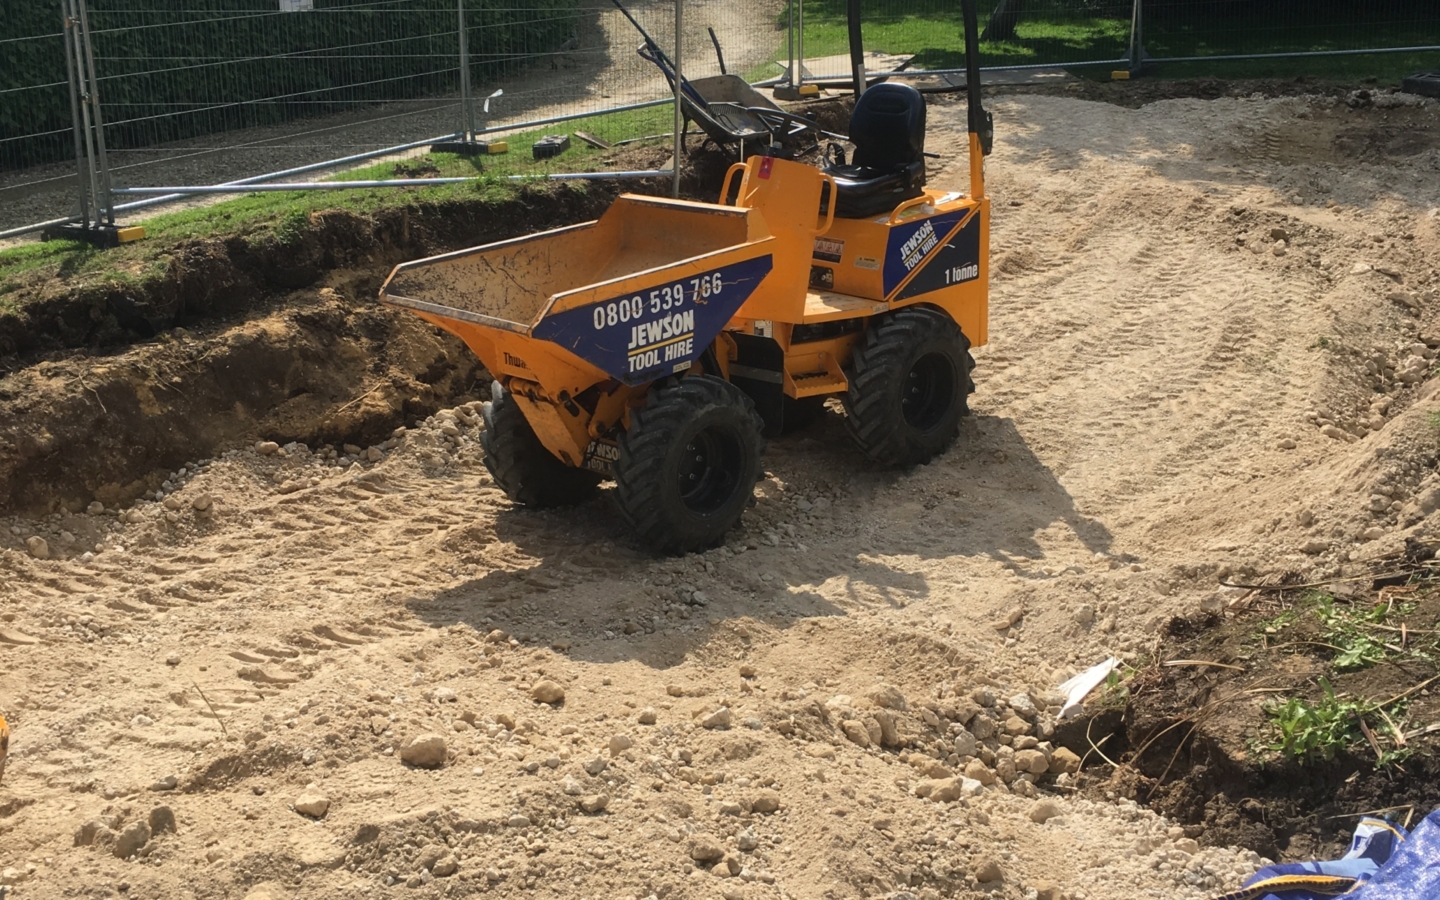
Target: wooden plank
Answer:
[[592, 140]]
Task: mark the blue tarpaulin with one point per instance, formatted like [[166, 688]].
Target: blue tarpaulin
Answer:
[[1384, 862]]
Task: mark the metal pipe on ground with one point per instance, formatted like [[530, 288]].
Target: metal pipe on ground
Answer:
[[385, 183]]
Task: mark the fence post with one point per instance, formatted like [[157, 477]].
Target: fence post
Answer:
[[105, 201], [96, 214], [467, 105], [800, 46], [96, 211], [679, 112], [1137, 56], [84, 165], [857, 46], [790, 41]]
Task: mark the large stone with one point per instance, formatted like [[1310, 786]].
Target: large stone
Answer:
[[767, 801], [1032, 761], [131, 839], [704, 849], [889, 733], [980, 772], [856, 732], [1063, 759], [983, 727], [887, 696], [947, 790], [988, 870], [1047, 890], [546, 691], [429, 856], [1022, 706], [95, 831], [162, 819], [720, 718], [965, 744], [313, 804], [445, 866], [1045, 810], [425, 751]]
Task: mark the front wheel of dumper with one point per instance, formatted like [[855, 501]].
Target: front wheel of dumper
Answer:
[[909, 387], [528, 473], [688, 463]]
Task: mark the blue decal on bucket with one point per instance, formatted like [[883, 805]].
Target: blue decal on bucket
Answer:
[[657, 330]]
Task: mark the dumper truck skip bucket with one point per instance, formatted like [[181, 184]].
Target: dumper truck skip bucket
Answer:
[[632, 297]]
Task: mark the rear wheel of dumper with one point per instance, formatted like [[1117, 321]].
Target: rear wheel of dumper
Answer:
[[688, 463], [526, 471], [909, 387]]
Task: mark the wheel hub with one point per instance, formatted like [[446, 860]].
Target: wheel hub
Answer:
[[928, 391], [709, 470]]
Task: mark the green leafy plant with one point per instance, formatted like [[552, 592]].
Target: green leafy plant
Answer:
[[1306, 731], [1351, 630]]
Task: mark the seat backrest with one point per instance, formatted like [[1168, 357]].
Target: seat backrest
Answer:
[[888, 126]]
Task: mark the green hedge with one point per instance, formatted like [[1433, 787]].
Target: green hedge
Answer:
[[173, 69]]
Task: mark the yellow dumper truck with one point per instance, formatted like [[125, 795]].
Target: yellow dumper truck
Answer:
[[660, 344]]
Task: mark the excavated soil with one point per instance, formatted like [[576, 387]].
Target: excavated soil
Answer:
[[1213, 330], [1193, 740], [105, 385]]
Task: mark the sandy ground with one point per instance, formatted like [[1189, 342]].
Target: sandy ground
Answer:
[[1211, 353]]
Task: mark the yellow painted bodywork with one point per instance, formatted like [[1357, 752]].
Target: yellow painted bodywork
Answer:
[[493, 297]]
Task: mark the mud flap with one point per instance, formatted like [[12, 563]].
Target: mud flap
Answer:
[[759, 371]]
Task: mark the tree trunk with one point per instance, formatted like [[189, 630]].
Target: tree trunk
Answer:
[[1003, 20]]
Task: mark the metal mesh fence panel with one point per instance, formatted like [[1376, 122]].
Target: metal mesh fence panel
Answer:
[[34, 91]]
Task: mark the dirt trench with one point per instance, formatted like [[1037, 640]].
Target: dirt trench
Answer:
[[253, 336]]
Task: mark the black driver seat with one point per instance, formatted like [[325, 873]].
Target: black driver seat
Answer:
[[887, 128]]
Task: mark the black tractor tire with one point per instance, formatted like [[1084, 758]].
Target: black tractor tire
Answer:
[[909, 387], [688, 463], [524, 469]]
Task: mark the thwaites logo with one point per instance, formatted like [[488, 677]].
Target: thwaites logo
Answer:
[[919, 244]]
